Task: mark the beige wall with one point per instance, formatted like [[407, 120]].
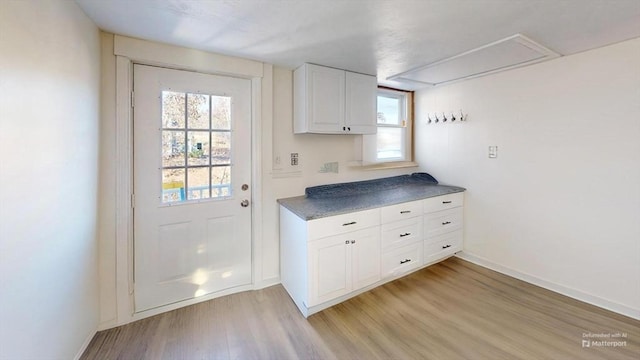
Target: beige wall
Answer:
[[49, 136], [560, 205]]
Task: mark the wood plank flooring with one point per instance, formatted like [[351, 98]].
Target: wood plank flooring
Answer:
[[451, 310]]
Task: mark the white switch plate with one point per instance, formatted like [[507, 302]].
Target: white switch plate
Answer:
[[493, 152]]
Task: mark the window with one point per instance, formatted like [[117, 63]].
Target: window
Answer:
[[393, 141], [196, 146]]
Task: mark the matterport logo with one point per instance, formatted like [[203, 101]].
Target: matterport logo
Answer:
[[604, 339]]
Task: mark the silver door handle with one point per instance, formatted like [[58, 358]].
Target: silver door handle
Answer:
[[244, 203]]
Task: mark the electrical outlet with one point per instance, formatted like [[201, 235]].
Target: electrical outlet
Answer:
[[294, 159]]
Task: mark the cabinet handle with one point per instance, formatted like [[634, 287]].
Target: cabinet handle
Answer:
[[405, 234], [349, 128], [346, 242], [446, 246], [344, 128], [446, 223], [349, 242], [405, 211], [446, 202], [349, 223], [404, 261]]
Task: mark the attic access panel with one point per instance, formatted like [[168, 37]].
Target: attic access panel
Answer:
[[509, 53]]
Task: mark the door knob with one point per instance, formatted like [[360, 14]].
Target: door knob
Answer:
[[244, 203]]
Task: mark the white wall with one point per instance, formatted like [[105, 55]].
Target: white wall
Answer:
[[49, 88], [560, 205]]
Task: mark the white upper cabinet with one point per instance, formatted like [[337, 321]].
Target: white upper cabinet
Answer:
[[333, 101]]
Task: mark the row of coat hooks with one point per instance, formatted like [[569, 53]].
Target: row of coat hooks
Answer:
[[443, 117]]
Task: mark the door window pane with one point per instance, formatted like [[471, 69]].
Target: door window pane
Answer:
[[220, 181], [173, 107], [198, 147], [173, 181], [198, 183], [221, 148], [221, 112], [198, 111], [172, 148]]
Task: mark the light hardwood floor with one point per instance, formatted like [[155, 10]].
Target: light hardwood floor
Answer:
[[451, 310]]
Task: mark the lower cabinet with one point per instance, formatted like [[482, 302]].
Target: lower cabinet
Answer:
[[326, 261], [341, 263]]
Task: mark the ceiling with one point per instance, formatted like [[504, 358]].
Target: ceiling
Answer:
[[380, 37]]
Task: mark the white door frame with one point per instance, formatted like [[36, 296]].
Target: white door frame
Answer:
[[129, 51]]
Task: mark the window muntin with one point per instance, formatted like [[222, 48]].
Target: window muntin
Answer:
[[196, 147]]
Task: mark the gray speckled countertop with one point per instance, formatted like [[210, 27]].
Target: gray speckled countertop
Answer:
[[335, 199]]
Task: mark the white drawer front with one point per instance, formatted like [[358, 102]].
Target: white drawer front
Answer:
[[443, 202], [401, 233], [344, 223], [442, 222], [402, 260], [401, 211], [443, 246]]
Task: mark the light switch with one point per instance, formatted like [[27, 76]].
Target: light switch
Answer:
[[493, 152]]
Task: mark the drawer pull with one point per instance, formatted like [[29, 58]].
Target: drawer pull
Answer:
[[353, 241], [446, 223], [405, 234], [447, 202], [349, 223], [446, 246], [404, 261], [405, 211], [346, 242]]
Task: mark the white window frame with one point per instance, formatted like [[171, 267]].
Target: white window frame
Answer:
[[369, 142]]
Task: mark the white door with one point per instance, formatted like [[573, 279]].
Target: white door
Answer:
[[326, 99], [330, 268], [365, 255], [192, 171], [361, 103]]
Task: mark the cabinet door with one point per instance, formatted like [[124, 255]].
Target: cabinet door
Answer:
[[365, 257], [325, 99], [329, 268], [361, 103]]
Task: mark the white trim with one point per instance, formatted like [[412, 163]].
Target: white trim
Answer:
[[124, 188], [153, 53], [162, 309], [560, 289], [128, 51], [544, 52], [84, 345]]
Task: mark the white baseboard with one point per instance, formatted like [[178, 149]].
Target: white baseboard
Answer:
[[85, 344], [266, 283], [573, 293]]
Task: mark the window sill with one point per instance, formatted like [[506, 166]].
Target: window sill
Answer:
[[385, 165]]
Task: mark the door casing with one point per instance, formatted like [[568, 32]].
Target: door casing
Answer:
[[128, 51]]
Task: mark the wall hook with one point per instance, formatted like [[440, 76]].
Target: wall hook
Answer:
[[437, 119], [444, 117], [453, 117], [429, 117]]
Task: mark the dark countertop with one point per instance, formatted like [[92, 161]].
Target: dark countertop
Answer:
[[336, 199]]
